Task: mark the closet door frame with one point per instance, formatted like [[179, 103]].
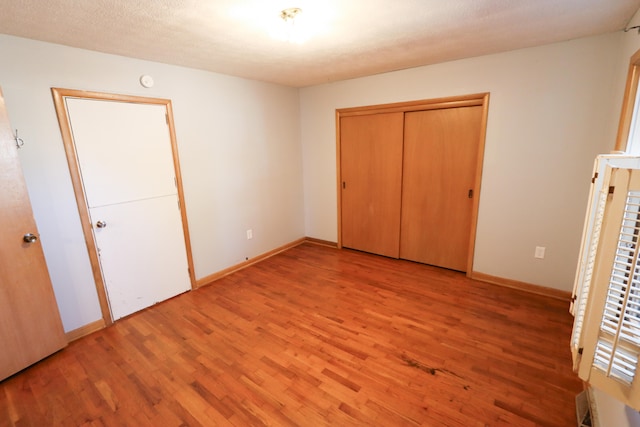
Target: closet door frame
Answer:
[[479, 99]]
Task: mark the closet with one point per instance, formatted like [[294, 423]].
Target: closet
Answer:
[[409, 176]]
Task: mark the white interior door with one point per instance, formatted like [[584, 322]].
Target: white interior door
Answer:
[[126, 164]]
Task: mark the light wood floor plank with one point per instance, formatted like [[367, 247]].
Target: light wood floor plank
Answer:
[[315, 336]]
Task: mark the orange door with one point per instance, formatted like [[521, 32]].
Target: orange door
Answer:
[[30, 325], [440, 162], [371, 175]]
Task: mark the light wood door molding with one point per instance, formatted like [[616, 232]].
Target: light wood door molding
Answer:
[[628, 103], [59, 96]]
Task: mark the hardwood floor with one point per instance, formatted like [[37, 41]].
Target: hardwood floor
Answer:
[[315, 336]]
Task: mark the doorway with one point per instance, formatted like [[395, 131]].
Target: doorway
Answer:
[[123, 161]]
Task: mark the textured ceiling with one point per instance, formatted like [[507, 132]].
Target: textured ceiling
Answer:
[[353, 38]]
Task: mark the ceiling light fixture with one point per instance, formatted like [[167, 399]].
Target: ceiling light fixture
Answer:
[[291, 30]]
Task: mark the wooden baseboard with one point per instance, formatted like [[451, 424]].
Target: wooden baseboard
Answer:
[[321, 242], [527, 287], [85, 330], [207, 280]]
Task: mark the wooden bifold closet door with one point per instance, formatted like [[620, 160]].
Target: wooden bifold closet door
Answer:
[[439, 170], [371, 158], [408, 183]]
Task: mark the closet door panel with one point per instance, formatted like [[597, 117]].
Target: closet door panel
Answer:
[[439, 170], [371, 175]]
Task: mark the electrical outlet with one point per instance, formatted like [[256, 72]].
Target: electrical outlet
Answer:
[[539, 252], [249, 234]]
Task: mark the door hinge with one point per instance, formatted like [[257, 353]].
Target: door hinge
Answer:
[[595, 176], [179, 207], [470, 194], [166, 117], [175, 181], [580, 350], [611, 189]]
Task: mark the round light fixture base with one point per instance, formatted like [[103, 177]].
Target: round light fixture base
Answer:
[[290, 13]]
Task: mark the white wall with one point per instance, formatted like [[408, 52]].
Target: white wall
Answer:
[[239, 149], [552, 109]]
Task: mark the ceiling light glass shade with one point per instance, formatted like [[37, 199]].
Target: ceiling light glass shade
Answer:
[[291, 26]]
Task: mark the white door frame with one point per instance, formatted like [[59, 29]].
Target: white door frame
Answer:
[[59, 96]]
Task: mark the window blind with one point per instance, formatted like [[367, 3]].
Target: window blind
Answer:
[[585, 275], [610, 328], [617, 348]]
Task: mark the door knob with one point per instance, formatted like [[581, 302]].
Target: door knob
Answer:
[[29, 238], [101, 224]]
